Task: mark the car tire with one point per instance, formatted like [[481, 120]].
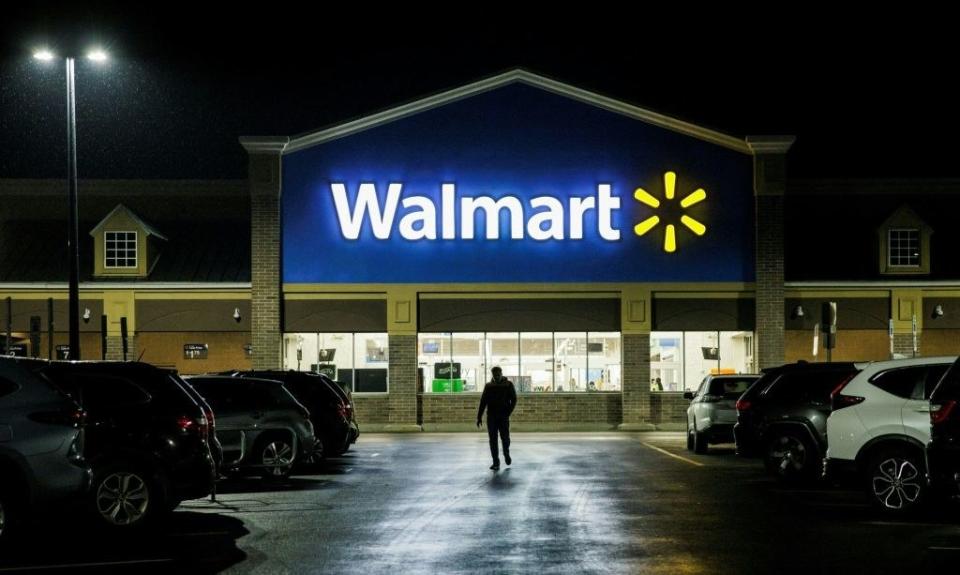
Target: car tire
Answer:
[[8, 515], [699, 442], [689, 439], [896, 481], [125, 496], [791, 457], [275, 456]]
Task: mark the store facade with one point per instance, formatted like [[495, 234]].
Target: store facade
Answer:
[[606, 257]]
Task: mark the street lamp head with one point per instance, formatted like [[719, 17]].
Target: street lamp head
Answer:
[[97, 55], [44, 55]]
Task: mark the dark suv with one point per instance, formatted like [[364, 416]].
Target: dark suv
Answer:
[[783, 416], [146, 438], [330, 409], [943, 451], [40, 438], [261, 425]]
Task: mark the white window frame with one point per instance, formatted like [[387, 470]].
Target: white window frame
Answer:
[[890, 248], [106, 250]]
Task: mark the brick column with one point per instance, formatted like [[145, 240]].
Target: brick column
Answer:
[[903, 344], [115, 348], [264, 173], [769, 184], [635, 325], [636, 383], [402, 330]]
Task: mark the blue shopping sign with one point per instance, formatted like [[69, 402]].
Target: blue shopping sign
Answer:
[[517, 185]]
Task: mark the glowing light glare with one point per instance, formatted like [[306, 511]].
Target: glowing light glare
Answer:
[[695, 226], [694, 198], [670, 240], [44, 55], [643, 196], [646, 225], [97, 55], [669, 184]]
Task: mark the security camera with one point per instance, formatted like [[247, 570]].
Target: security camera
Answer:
[[938, 311], [236, 315]]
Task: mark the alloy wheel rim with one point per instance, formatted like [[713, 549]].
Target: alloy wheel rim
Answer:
[[790, 455], [278, 457], [123, 498], [896, 483]]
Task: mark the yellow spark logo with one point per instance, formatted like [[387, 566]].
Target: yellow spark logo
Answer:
[[669, 189]]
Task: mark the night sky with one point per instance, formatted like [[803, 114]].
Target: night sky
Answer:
[[866, 97]]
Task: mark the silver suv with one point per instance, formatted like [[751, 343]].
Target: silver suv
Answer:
[[40, 436], [713, 409]]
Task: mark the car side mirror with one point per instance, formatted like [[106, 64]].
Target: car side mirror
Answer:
[[688, 395]]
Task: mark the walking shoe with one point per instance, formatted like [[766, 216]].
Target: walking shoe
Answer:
[[506, 457], [495, 466]]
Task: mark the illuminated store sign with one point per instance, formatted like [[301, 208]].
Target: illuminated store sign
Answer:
[[516, 185]]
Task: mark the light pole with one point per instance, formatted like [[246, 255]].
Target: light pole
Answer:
[[73, 233]]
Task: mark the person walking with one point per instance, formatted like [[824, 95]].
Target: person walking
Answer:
[[499, 399]]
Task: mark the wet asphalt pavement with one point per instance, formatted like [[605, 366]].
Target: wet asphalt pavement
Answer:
[[570, 503]]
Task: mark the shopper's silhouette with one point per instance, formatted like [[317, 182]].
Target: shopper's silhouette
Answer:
[[499, 399]]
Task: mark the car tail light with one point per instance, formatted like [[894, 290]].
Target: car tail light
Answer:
[[940, 412], [744, 405], [211, 422], [839, 400], [344, 411], [189, 424], [78, 418]]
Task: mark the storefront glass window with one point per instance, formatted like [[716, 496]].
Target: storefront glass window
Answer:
[[535, 361], [358, 360], [680, 360]]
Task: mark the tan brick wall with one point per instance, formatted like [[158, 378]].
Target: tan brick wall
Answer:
[[668, 408], [940, 342], [599, 408], [371, 409], [769, 282], [166, 350], [89, 344], [852, 345], [636, 378], [403, 380]]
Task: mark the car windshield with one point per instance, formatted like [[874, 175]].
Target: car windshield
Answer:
[[729, 387]]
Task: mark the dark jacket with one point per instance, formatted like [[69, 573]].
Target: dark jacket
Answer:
[[499, 399]]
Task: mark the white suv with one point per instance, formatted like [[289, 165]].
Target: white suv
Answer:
[[879, 428]]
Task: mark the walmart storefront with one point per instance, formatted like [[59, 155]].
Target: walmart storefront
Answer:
[[606, 257]]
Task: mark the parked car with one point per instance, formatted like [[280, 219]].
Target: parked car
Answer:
[[782, 417], [330, 409], [943, 453], [145, 437], [262, 426], [880, 427], [40, 441], [713, 411]]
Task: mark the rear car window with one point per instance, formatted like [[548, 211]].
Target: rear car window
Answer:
[[730, 388], [949, 386], [914, 382], [97, 390], [806, 386]]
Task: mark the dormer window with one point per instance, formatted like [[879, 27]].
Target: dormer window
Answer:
[[903, 248], [120, 250], [904, 244]]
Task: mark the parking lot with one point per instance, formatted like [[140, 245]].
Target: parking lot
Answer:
[[570, 503]]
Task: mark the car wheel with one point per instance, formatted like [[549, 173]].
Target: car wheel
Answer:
[[896, 481], [7, 515], [275, 455], [689, 439], [699, 442], [125, 497], [791, 457]]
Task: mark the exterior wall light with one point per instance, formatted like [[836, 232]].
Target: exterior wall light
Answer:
[[236, 315], [797, 312], [938, 311], [86, 315]]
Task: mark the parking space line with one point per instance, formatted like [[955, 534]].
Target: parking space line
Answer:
[[943, 548], [374, 455], [27, 568], [673, 455]]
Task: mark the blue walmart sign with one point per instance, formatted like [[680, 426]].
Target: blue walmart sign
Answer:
[[517, 185]]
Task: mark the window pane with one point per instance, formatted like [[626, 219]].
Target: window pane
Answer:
[[736, 352], [434, 355], [666, 361], [334, 356], [370, 362], [571, 362], [503, 349], [469, 356], [603, 357], [536, 361]]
